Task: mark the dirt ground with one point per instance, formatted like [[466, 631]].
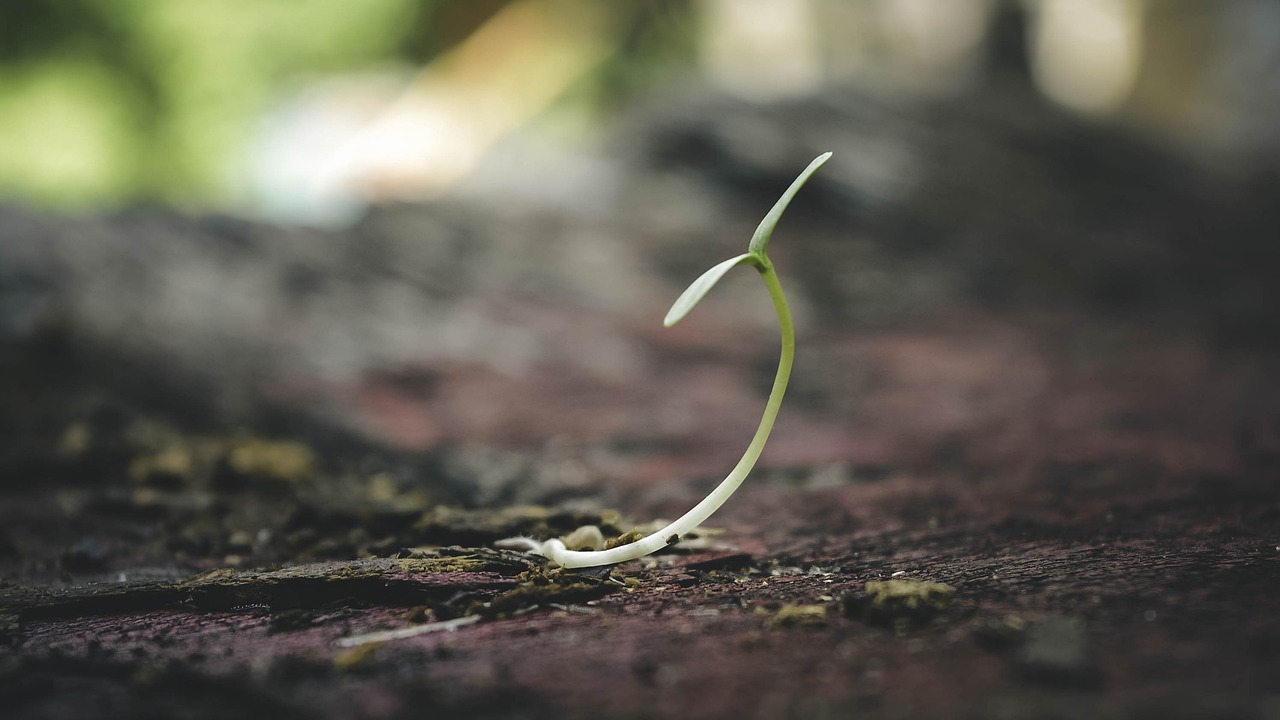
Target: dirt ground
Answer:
[[1008, 481]]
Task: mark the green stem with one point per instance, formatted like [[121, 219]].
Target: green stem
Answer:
[[555, 549]]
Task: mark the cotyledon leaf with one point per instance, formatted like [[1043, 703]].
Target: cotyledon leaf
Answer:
[[761, 237], [700, 287]]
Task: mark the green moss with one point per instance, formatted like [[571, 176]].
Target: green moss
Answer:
[[799, 616], [899, 604], [625, 539], [356, 657], [173, 463], [539, 588], [464, 563], [276, 460]]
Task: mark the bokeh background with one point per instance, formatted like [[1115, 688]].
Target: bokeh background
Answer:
[[303, 110], [438, 225]]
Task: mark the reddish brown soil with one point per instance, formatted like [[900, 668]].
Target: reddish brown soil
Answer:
[[1110, 525]]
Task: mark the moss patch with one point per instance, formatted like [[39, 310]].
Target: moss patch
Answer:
[[539, 588], [799, 616], [899, 604]]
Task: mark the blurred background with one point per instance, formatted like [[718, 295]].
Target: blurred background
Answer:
[[1043, 255], [306, 111]]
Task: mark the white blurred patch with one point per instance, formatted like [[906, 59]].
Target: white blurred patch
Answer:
[[935, 42], [1086, 53], [761, 49], [343, 143]]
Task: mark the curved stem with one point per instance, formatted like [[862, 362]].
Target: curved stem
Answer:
[[555, 549]]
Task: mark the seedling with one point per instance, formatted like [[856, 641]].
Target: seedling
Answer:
[[557, 550]]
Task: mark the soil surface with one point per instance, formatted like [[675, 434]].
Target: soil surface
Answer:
[[1027, 466]]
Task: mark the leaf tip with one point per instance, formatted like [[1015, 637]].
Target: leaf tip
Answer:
[[765, 230], [699, 288]]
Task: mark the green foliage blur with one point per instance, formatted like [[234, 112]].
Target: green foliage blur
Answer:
[[109, 102], [102, 102]]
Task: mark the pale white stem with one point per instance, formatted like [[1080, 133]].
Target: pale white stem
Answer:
[[556, 551]]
